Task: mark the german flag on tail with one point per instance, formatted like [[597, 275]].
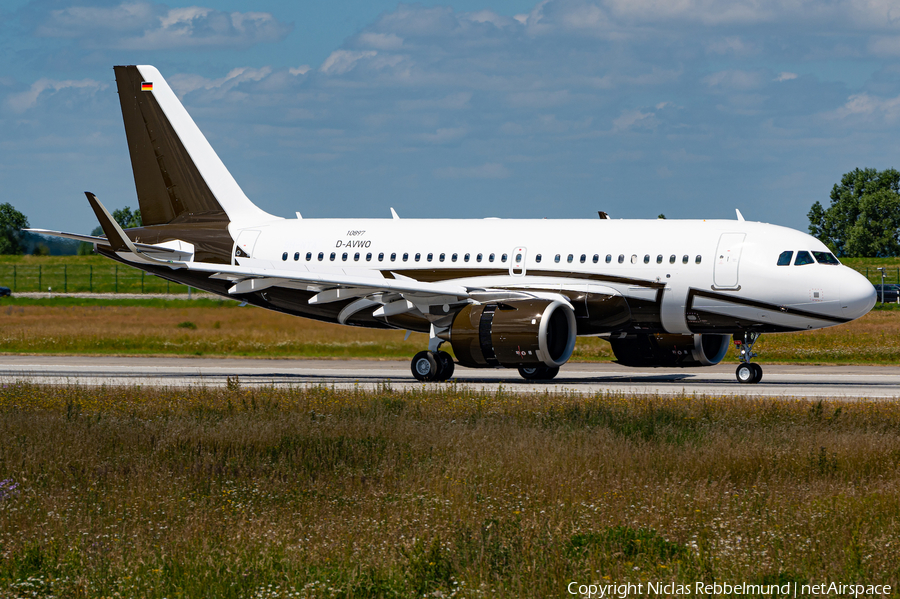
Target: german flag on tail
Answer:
[[146, 86]]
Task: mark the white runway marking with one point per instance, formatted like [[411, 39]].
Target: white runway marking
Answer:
[[876, 382]]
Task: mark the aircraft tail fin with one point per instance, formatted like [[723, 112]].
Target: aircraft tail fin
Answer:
[[177, 175]]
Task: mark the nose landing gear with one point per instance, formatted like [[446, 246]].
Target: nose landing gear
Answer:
[[747, 372]]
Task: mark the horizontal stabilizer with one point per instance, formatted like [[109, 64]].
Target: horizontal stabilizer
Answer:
[[144, 247]]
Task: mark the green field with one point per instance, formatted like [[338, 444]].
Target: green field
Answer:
[[79, 274], [207, 492]]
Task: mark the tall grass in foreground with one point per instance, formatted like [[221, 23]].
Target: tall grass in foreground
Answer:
[[237, 492]]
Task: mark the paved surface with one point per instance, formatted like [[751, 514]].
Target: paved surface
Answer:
[[789, 381]]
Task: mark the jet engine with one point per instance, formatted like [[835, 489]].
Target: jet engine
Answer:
[[670, 350], [515, 333]]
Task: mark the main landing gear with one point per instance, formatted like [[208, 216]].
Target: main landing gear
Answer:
[[747, 372], [538, 373], [432, 366]]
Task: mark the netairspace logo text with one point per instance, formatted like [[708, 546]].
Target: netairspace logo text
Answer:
[[790, 589]]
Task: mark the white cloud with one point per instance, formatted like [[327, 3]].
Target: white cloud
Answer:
[[735, 79], [491, 170], [785, 76], [870, 108], [630, 118], [22, 101], [301, 70], [380, 41], [341, 61], [150, 26]]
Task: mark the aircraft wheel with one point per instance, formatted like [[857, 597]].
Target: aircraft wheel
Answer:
[[747, 373], [424, 366], [538, 373], [445, 366], [757, 370]]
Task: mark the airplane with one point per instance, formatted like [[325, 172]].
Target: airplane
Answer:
[[503, 293]]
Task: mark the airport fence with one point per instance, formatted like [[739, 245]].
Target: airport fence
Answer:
[[891, 274], [87, 278]]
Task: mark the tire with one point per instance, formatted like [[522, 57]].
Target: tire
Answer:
[[445, 366], [746, 373], [424, 366], [757, 373], [538, 373]]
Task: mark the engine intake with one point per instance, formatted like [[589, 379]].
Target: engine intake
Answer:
[[514, 333], [671, 350]]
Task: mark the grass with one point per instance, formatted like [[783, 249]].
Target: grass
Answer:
[[213, 327], [239, 492]]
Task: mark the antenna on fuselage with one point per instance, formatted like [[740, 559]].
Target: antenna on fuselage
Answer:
[[740, 216]]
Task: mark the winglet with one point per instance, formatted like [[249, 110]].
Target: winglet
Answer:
[[118, 241], [740, 216], [394, 214]]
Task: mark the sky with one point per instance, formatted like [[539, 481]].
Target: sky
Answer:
[[463, 108]]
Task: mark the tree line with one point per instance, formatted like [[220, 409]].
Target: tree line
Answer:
[[14, 240]]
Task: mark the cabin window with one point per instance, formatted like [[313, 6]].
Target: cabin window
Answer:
[[570, 258], [503, 258], [296, 256], [697, 259], [321, 256], [393, 257], [583, 258], [466, 258], [518, 257], [454, 257], [308, 256], [608, 258], [380, 256], [418, 257], [634, 258], [284, 256], [646, 258], [556, 259], [596, 258], [659, 259], [429, 257], [356, 257], [491, 258], [478, 258], [332, 257], [441, 257], [369, 257], [621, 258], [825, 258], [536, 259], [405, 256], [784, 259], [685, 258], [344, 257], [803, 258], [672, 259]]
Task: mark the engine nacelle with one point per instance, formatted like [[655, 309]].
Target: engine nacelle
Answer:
[[514, 333], [671, 350]]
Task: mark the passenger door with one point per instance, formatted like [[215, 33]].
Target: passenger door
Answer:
[[728, 256]]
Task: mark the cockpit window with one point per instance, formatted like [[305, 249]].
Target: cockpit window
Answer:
[[803, 257], [825, 258], [784, 259]]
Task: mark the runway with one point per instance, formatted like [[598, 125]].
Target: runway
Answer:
[[875, 382]]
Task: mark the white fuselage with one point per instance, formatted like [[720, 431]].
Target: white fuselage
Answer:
[[723, 268]]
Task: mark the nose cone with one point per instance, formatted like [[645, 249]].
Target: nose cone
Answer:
[[857, 294]]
